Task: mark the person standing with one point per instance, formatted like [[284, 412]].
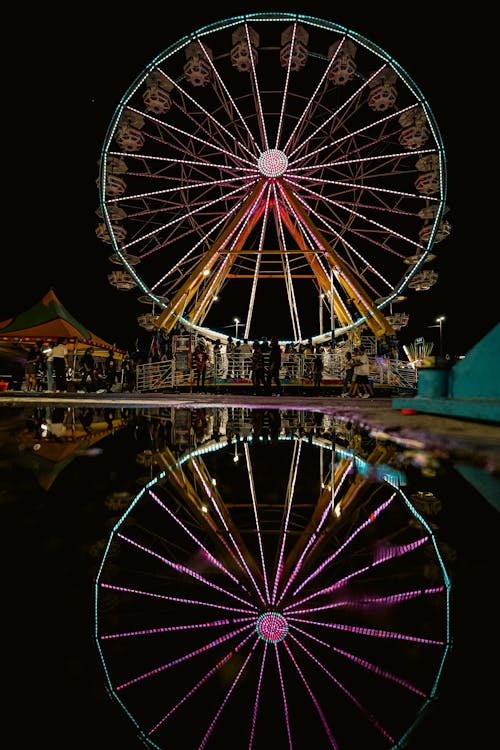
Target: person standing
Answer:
[[318, 368], [218, 363], [49, 365], [258, 369], [40, 371], [361, 374], [110, 370], [200, 365], [246, 357], [348, 369], [274, 366], [30, 370], [129, 374], [40, 366], [87, 362], [60, 359]]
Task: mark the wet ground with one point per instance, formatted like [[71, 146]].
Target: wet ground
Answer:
[[477, 443], [420, 531]]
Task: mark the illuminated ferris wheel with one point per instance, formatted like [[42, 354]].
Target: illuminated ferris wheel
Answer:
[[259, 609], [273, 162]]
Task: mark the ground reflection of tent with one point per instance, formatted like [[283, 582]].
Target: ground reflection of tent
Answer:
[[48, 320], [47, 457]]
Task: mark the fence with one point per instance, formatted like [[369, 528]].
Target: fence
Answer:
[[234, 369]]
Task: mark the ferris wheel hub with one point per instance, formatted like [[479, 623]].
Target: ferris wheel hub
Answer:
[[272, 163], [272, 627]]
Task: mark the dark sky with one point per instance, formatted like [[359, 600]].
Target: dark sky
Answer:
[[69, 79]]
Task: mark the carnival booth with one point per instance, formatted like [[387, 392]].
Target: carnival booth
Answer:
[[48, 320]]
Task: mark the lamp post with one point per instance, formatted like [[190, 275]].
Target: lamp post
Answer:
[[236, 324], [440, 321], [332, 308]]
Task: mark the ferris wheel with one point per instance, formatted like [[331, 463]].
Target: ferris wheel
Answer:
[[276, 167], [228, 615]]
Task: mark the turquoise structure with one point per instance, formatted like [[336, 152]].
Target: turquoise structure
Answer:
[[470, 389]]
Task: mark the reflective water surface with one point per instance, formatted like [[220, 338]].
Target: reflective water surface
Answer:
[[229, 577]]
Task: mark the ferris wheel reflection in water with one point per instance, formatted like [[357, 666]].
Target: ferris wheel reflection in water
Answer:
[[272, 607]]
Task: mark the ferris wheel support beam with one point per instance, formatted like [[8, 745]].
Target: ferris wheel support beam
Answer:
[[377, 322], [217, 522], [167, 320], [228, 257], [380, 454], [323, 280], [294, 559]]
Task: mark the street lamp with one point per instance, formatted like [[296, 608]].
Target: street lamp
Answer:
[[236, 324], [440, 321]]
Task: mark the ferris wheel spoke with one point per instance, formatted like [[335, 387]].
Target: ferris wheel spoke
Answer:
[[338, 235], [218, 666], [228, 100], [369, 715]]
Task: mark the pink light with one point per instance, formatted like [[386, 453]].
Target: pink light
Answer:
[[272, 163], [272, 627]]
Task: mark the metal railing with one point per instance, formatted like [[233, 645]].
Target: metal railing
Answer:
[[296, 370]]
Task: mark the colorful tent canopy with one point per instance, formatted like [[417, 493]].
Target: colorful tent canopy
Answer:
[[48, 320]]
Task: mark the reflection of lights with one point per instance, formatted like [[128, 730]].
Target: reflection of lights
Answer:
[[293, 593], [37, 447], [94, 451], [117, 501], [426, 502], [380, 472], [272, 627], [146, 458]]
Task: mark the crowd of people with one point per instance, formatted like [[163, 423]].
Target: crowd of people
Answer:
[[265, 362], [50, 368], [269, 361]]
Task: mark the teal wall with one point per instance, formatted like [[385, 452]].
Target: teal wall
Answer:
[[478, 374]]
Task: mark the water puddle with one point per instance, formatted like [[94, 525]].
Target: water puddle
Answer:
[[238, 577]]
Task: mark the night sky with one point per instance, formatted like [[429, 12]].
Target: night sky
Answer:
[[70, 78]]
